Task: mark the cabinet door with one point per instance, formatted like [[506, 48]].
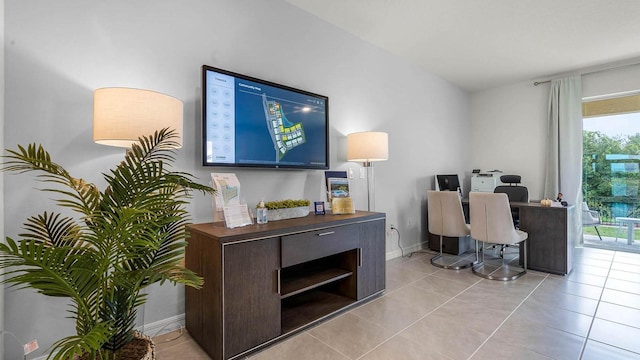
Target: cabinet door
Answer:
[[547, 242], [251, 299], [371, 263]]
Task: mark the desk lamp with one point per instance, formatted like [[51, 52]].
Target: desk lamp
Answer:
[[122, 115], [368, 147]]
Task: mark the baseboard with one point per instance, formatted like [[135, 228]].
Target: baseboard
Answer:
[[153, 329], [407, 250], [163, 326]]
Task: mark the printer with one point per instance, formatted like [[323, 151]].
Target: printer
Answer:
[[485, 181]]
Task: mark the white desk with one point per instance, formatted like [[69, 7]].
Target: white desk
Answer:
[[630, 222]]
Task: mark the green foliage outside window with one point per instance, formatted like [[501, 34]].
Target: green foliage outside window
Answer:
[[599, 180]]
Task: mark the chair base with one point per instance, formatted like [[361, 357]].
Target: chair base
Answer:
[[502, 269], [500, 272], [452, 262]]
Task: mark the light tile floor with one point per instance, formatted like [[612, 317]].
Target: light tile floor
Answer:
[[432, 313]]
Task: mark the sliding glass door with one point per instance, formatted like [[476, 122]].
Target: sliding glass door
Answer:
[[611, 172]]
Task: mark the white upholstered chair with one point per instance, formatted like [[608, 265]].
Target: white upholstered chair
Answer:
[[591, 218], [492, 223], [446, 218]]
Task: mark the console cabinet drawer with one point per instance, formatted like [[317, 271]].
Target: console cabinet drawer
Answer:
[[304, 247]]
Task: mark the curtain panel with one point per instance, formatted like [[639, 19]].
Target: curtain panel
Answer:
[[564, 140], [564, 148]]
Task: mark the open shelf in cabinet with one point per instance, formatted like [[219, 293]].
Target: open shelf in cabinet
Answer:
[[317, 288], [294, 284], [302, 309]]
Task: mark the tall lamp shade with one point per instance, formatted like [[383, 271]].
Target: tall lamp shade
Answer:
[[122, 115], [368, 146]]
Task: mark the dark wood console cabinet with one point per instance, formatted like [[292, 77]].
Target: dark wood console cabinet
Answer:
[[552, 236], [264, 282]]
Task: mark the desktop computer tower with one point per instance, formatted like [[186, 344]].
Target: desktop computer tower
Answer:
[[450, 245]]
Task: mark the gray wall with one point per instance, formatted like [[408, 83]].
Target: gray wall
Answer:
[[58, 52]]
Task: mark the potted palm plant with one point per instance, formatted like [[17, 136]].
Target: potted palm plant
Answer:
[[122, 240]]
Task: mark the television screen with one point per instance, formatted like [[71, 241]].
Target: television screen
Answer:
[[256, 123]]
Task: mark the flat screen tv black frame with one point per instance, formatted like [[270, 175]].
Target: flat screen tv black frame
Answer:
[[314, 135]]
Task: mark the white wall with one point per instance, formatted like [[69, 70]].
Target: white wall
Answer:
[[58, 52], [508, 131], [509, 123]]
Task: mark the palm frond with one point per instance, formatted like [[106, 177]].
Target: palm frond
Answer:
[[34, 158], [53, 229], [158, 147], [87, 343]]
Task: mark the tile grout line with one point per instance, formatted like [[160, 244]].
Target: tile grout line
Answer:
[[448, 301], [351, 311], [419, 319], [595, 312], [509, 316]]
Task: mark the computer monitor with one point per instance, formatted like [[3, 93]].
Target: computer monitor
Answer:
[[447, 182]]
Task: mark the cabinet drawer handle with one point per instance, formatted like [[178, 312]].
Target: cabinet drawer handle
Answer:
[[278, 280], [326, 233], [359, 257]]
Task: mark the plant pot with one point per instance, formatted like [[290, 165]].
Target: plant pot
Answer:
[[141, 347], [288, 213]]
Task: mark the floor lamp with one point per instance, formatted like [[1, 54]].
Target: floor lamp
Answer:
[[368, 147], [122, 115]]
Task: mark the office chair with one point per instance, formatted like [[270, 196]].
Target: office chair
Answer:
[[515, 193], [446, 218], [591, 218], [491, 222]]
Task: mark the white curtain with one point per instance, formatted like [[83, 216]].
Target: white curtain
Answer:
[[564, 141], [564, 149]]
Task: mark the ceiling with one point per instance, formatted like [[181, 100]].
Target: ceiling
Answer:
[[484, 44]]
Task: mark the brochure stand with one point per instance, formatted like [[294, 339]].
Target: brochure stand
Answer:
[[338, 193], [328, 175], [227, 205]]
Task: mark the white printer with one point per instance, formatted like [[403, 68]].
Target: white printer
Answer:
[[485, 181]]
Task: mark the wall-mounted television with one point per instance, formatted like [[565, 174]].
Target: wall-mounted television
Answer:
[[256, 123]]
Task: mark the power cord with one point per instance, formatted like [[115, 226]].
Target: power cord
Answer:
[[2, 332], [393, 227]]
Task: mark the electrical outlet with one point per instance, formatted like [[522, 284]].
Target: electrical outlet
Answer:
[[350, 173], [30, 347], [410, 222], [390, 230], [362, 173]]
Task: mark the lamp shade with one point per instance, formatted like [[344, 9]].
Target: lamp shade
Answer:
[[368, 146], [122, 115]]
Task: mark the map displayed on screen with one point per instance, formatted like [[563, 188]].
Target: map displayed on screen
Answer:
[[285, 135], [254, 124]]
